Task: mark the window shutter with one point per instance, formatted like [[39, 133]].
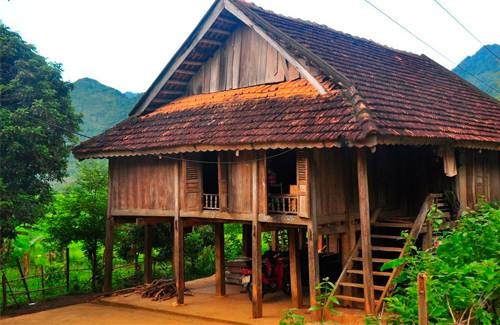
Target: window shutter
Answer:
[[303, 183], [193, 185]]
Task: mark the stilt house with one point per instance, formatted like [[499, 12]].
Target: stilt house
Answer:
[[279, 123]]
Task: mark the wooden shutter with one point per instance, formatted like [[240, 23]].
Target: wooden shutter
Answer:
[[193, 185], [222, 159], [303, 183]]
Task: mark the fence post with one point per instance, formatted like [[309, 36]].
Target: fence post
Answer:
[[422, 299], [23, 278], [4, 293], [67, 269], [43, 282]]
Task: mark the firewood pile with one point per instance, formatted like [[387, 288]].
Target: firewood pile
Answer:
[[159, 290]]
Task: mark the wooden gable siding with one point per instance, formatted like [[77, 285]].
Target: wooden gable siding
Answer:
[[245, 60], [144, 183]]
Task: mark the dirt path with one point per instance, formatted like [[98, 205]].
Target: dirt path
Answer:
[[96, 313]]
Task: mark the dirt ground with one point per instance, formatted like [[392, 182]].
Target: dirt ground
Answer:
[[201, 308]]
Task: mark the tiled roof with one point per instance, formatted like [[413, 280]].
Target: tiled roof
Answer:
[[407, 95], [403, 96], [290, 111]]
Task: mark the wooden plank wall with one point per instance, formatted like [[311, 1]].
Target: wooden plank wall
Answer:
[[240, 182], [245, 60], [480, 171], [141, 183]]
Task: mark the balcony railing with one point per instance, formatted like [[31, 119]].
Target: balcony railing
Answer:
[[282, 204], [210, 201]]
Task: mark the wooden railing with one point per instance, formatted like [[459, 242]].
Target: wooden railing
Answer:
[[210, 201], [282, 204]]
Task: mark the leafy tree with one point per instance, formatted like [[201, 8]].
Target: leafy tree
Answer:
[[37, 123], [79, 213], [463, 274]]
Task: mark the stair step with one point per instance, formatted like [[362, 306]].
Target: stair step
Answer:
[[360, 285], [387, 237], [349, 298], [374, 260], [387, 249], [374, 272], [393, 224]]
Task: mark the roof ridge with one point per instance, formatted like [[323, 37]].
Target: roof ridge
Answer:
[[326, 27]]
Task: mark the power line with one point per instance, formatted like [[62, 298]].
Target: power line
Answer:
[[161, 156], [430, 46], [466, 29]]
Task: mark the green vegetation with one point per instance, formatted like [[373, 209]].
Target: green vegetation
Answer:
[[37, 123], [463, 274], [485, 66], [101, 106]]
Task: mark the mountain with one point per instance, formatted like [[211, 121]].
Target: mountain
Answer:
[[485, 66], [101, 106]]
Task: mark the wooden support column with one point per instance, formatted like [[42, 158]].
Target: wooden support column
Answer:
[[256, 247], [461, 181], [274, 241], [220, 285], [312, 234], [108, 255], [178, 240], [148, 263], [364, 218], [295, 268]]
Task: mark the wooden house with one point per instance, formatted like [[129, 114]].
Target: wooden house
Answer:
[[279, 123]]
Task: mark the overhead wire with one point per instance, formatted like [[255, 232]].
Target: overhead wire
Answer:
[[431, 47], [466, 29]]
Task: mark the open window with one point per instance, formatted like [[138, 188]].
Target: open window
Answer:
[[282, 182], [210, 196]]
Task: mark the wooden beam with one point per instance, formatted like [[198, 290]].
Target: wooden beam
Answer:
[[295, 268], [191, 62], [210, 42], [313, 262], [172, 92], [148, 265], [220, 31], [188, 72], [256, 247], [364, 218], [177, 82], [178, 240], [220, 285]]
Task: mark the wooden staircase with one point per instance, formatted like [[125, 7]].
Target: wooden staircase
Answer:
[[387, 245]]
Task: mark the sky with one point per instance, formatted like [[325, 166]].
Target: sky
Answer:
[[125, 44]]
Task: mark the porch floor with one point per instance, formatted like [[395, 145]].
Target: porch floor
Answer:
[[200, 308]]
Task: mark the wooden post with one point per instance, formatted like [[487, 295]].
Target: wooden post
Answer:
[[274, 241], [23, 279], [427, 240], [148, 270], [364, 218], [4, 293], [461, 181], [178, 241], [67, 269], [295, 269], [220, 285], [333, 246], [256, 247], [312, 233], [422, 299], [108, 255]]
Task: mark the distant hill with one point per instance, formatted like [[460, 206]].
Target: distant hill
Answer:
[[485, 66], [101, 106]]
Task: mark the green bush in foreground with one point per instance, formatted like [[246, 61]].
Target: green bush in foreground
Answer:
[[463, 274]]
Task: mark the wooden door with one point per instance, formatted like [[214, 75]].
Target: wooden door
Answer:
[[193, 185]]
